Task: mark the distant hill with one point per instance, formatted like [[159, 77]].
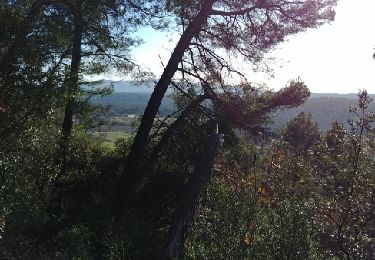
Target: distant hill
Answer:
[[325, 108], [336, 95], [131, 86], [132, 103]]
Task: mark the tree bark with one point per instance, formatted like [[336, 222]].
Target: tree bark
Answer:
[[192, 196], [72, 88], [131, 175]]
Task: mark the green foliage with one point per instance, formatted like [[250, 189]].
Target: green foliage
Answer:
[[252, 212], [224, 223], [253, 110], [306, 195], [26, 169], [314, 202], [301, 133], [344, 164], [111, 139]]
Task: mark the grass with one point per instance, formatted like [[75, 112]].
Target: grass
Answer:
[[116, 120], [108, 139]]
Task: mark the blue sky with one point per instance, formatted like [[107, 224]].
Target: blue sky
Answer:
[[336, 57]]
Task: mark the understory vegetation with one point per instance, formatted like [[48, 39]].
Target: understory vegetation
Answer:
[[207, 180]]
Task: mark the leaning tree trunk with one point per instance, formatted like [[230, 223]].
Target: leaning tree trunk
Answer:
[[131, 175], [192, 196]]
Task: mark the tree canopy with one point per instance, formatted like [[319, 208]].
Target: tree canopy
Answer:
[[210, 26], [209, 180]]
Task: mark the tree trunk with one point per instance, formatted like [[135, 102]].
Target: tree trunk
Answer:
[[192, 196], [72, 88], [131, 175]]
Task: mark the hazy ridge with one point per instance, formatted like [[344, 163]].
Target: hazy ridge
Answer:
[[325, 108]]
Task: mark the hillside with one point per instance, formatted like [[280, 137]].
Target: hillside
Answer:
[[131, 103], [325, 108]]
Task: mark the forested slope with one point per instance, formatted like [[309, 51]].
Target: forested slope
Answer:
[[324, 108]]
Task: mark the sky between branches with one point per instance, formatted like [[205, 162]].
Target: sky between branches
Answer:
[[336, 58]]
